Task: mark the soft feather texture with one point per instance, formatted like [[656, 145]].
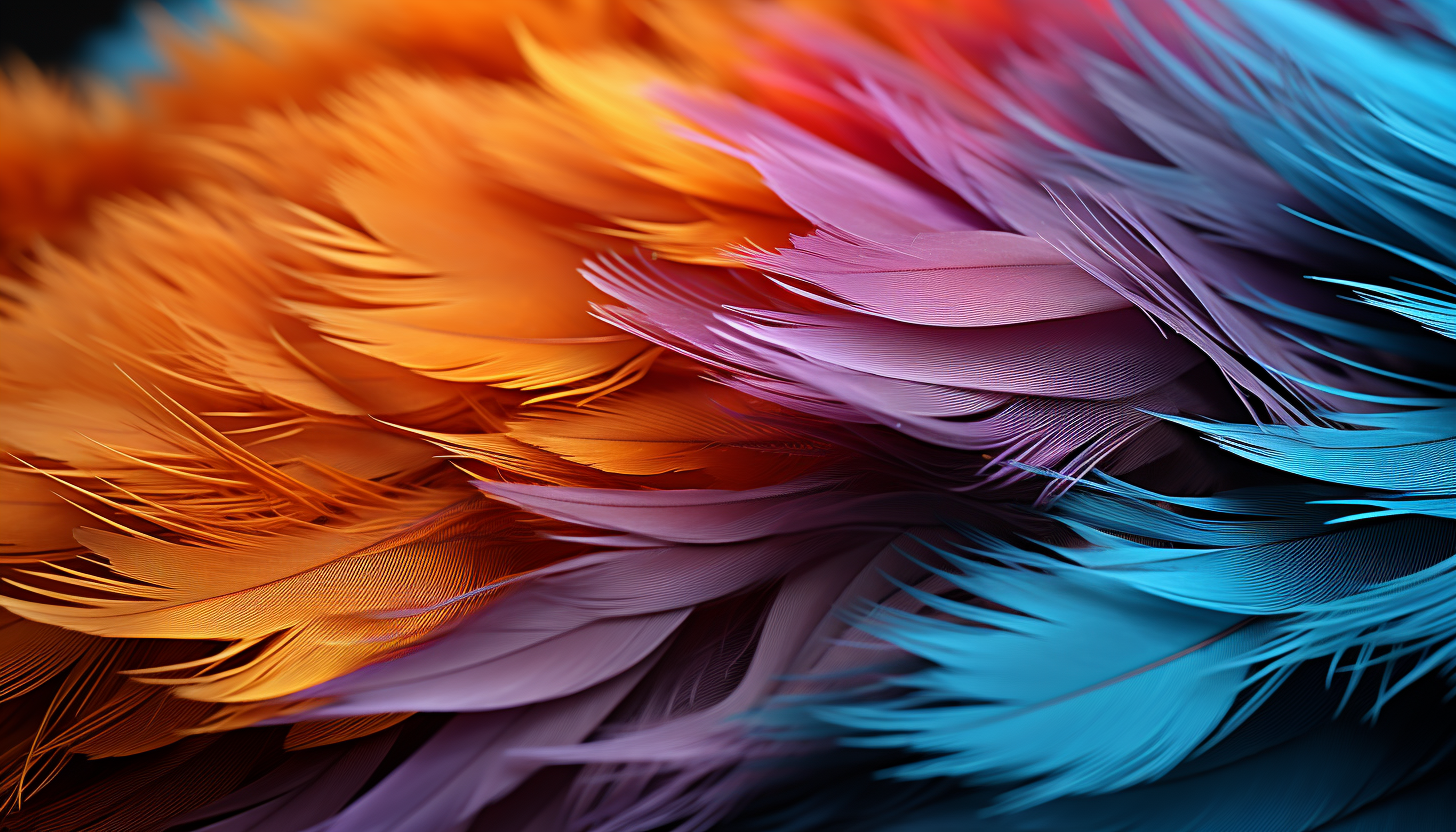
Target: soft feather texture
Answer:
[[451, 415]]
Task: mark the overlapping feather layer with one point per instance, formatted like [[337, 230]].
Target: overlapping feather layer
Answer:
[[454, 415]]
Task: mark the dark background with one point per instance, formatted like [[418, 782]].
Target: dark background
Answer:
[[52, 32]]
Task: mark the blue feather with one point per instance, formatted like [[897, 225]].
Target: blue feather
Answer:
[[1290, 557], [1357, 122], [1406, 452], [1299, 765], [1089, 686], [1095, 675]]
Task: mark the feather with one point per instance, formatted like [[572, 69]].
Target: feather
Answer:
[[469, 765], [936, 384], [243, 599], [1321, 776], [951, 278], [1012, 696]]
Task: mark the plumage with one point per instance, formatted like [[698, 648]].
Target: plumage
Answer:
[[447, 415]]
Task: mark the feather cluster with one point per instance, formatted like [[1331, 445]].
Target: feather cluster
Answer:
[[624, 415]]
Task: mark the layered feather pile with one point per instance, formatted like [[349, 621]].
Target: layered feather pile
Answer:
[[885, 415]]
